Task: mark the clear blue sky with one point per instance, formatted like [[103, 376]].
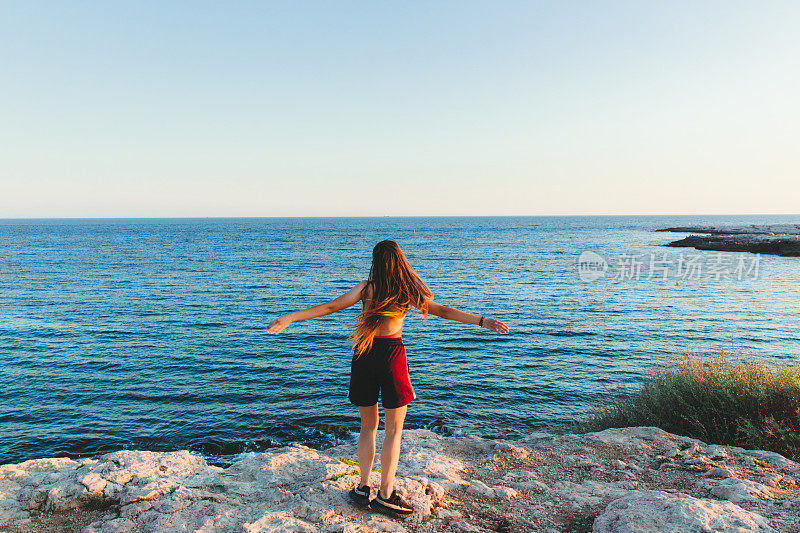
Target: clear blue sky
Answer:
[[398, 108]]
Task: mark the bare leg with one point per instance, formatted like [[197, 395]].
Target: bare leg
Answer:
[[390, 451], [366, 441]]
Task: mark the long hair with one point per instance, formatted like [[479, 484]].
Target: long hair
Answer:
[[395, 287]]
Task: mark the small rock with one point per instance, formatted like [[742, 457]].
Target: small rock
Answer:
[[719, 473], [691, 448], [479, 488], [741, 490], [509, 451], [533, 485], [717, 452], [671, 452], [448, 513], [773, 458], [467, 527], [589, 493], [702, 465], [93, 482]]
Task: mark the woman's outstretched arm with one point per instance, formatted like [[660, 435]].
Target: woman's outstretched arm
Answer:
[[451, 313], [342, 302]]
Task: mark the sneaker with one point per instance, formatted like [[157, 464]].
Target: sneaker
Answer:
[[360, 495], [394, 505]]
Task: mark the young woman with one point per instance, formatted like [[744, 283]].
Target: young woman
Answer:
[[379, 361]]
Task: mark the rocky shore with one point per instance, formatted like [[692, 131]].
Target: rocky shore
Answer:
[[777, 239], [618, 480]]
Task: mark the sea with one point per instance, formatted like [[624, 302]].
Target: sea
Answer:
[[151, 333]]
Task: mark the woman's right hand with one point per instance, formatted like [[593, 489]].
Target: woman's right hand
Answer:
[[278, 325], [495, 325]]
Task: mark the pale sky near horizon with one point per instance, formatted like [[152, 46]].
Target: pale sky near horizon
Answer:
[[115, 109]]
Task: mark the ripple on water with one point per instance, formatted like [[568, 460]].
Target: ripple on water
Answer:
[[150, 334]]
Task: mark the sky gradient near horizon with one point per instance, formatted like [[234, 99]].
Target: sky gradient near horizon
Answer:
[[363, 108]]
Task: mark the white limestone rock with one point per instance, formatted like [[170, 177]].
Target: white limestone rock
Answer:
[[742, 490], [662, 512], [719, 473], [717, 453], [773, 458], [628, 438], [296, 488], [117, 525], [481, 489], [589, 493], [282, 522]]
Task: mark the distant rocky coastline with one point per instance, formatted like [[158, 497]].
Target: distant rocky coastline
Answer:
[[777, 239], [617, 480]]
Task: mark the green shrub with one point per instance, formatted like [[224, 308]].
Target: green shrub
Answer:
[[746, 403]]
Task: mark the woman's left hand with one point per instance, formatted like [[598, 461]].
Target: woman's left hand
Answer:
[[495, 325], [278, 325]]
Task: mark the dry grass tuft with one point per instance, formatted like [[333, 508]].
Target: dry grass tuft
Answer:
[[747, 403]]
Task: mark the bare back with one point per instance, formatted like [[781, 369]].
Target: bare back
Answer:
[[390, 327]]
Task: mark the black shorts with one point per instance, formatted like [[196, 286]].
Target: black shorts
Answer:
[[383, 369]]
